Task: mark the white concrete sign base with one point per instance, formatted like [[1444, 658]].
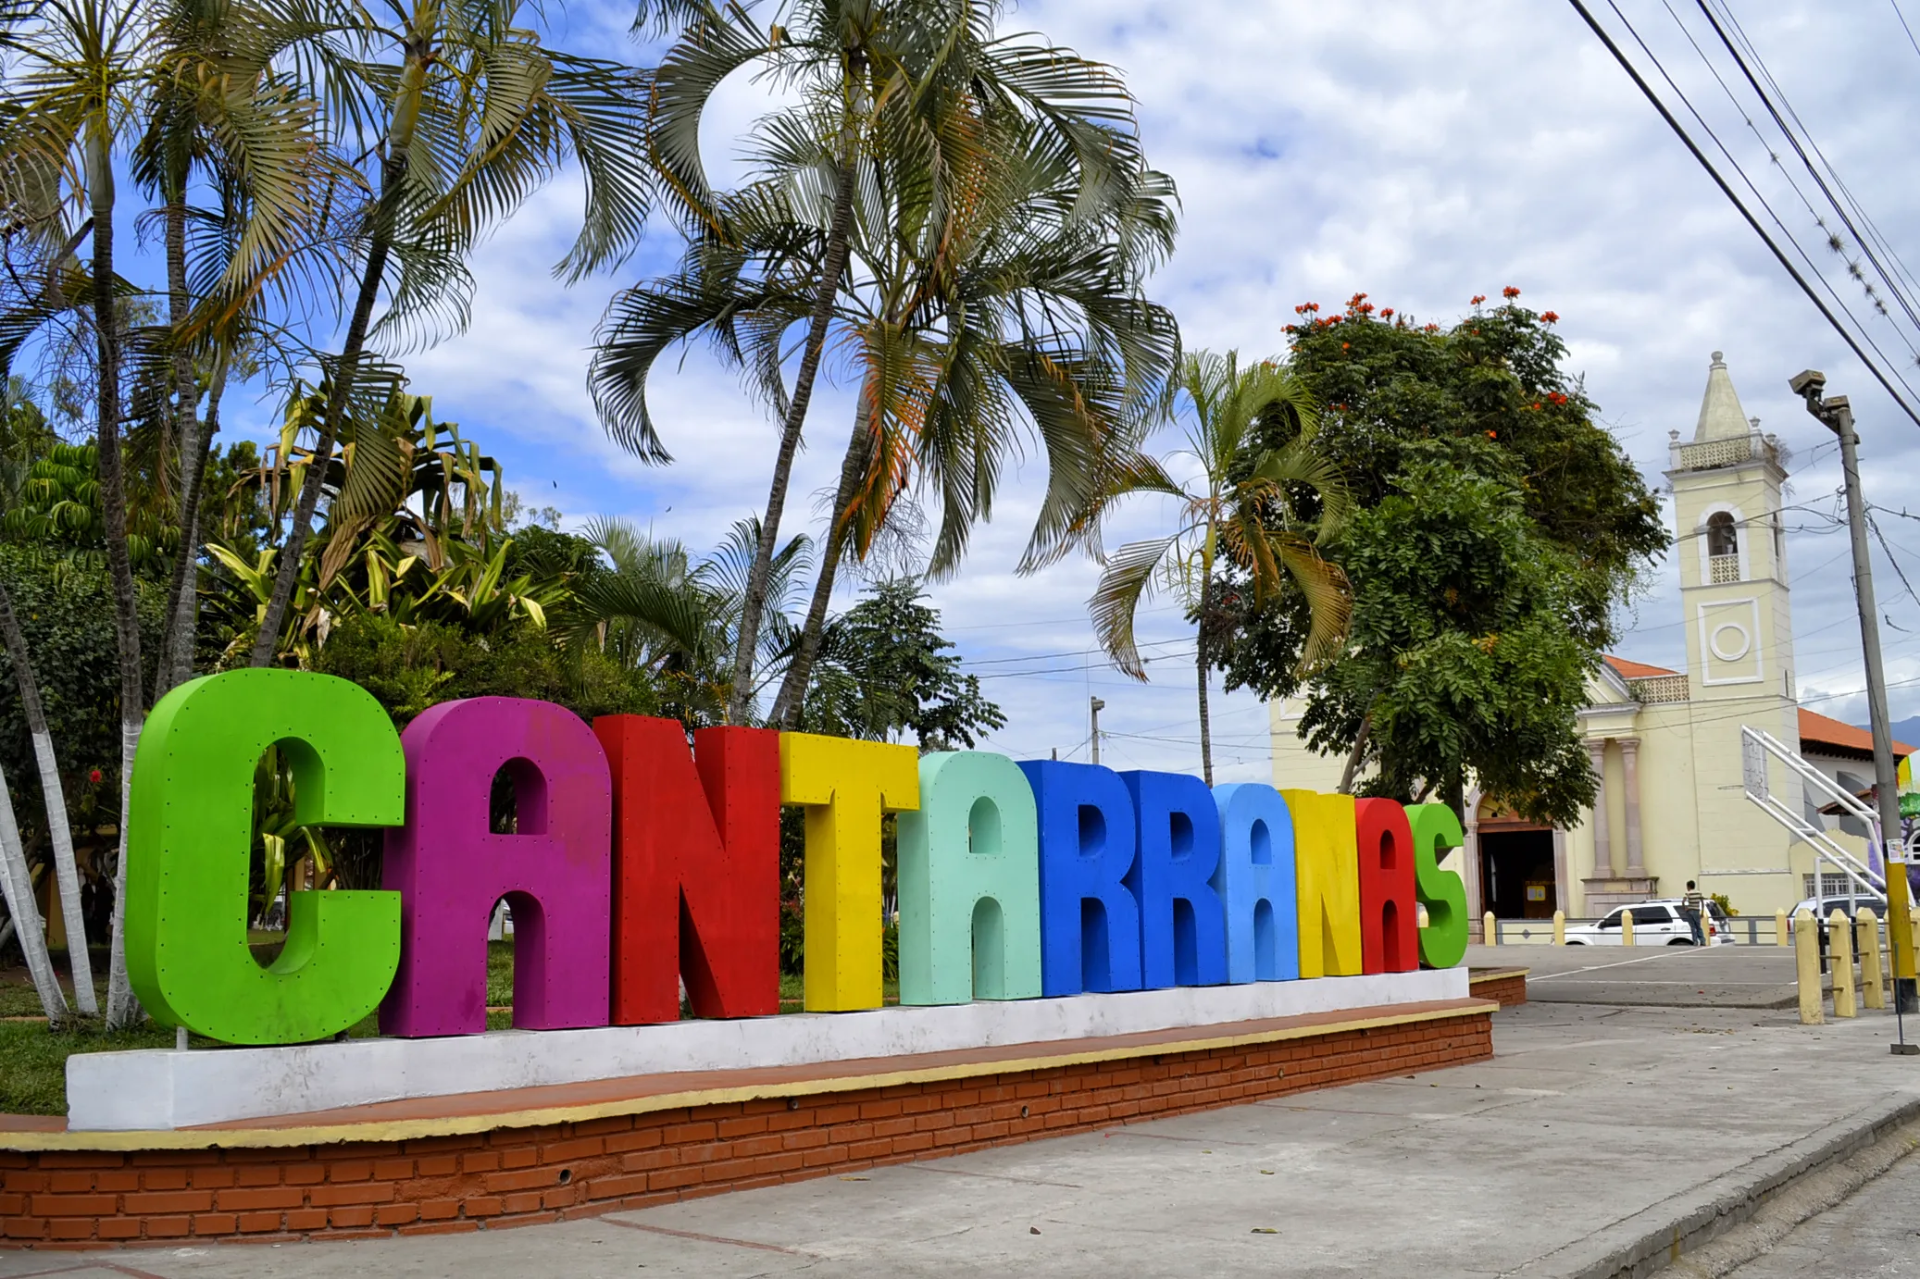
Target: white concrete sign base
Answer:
[[157, 1089]]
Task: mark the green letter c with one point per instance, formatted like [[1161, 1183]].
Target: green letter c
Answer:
[[188, 857]]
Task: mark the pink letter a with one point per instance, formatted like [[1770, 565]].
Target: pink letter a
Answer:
[[450, 867]]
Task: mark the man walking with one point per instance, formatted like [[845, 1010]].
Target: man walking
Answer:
[[1693, 906]]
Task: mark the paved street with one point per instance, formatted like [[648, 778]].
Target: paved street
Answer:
[[1875, 1234], [1589, 1124], [1669, 976]]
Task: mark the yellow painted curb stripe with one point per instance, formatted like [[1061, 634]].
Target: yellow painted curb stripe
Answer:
[[457, 1125], [1497, 974]]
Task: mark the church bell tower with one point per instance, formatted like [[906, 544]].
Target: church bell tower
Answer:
[[1730, 546], [1731, 549]]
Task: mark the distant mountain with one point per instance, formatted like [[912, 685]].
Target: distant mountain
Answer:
[[1905, 730]]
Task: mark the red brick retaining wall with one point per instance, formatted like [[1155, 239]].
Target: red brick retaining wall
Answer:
[[513, 1176], [1505, 987]]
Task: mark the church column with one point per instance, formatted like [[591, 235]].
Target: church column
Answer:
[[1562, 899], [1470, 856], [1630, 759], [1602, 838]]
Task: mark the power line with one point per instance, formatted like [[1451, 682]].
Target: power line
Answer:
[[1865, 242], [1874, 234], [1735, 163], [1846, 335], [1903, 25]]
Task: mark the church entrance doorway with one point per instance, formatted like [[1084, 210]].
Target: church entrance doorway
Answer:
[[1516, 872]]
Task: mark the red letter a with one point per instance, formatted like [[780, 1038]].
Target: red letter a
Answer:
[[696, 869], [1389, 927]]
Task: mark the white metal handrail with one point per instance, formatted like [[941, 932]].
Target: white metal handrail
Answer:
[[1755, 746]]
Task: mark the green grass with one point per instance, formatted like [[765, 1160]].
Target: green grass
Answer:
[[33, 1060]]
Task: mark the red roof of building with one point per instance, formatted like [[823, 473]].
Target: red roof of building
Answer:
[[1635, 670], [1821, 730]]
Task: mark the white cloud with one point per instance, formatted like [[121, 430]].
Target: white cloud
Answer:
[[1421, 153]]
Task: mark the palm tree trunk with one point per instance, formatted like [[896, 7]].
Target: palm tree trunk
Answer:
[[793, 690], [1206, 725], [1355, 755], [832, 268], [66, 870], [122, 1008], [186, 430], [183, 633], [393, 170], [17, 882]]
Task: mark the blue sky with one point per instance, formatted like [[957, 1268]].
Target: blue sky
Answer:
[[1420, 152]]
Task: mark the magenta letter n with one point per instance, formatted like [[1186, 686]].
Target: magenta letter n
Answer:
[[451, 867]]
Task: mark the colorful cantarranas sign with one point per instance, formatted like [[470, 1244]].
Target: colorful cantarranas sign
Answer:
[[637, 863]]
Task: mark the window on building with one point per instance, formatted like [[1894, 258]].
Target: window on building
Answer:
[[1833, 883], [1722, 539]]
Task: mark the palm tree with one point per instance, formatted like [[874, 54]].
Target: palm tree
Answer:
[[218, 110], [912, 95], [1032, 309], [1244, 505], [84, 70], [17, 884], [80, 72], [468, 113], [654, 607], [65, 869], [24, 436]]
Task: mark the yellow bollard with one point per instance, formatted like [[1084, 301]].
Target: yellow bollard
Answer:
[[1872, 983], [1489, 929], [1806, 955], [1840, 953], [1559, 927], [1782, 935], [1626, 928]]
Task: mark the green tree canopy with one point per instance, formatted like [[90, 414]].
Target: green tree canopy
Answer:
[[71, 638], [1490, 391], [1462, 653], [1496, 525], [884, 674]]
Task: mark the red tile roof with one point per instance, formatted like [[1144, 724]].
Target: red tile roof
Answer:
[[1635, 670], [1822, 730]]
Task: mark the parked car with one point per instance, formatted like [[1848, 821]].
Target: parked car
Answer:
[[1821, 908], [1659, 923]]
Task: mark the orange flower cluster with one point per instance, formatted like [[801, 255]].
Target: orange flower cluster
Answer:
[[1478, 298], [1509, 292], [1549, 317]]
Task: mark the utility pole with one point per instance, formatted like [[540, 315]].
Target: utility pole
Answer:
[[1094, 707], [1836, 415]]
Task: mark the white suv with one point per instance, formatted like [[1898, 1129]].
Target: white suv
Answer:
[[1660, 923]]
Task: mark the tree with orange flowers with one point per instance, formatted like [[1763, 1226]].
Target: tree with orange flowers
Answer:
[[1479, 418]]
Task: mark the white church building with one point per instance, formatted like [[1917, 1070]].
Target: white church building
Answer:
[[1667, 744]]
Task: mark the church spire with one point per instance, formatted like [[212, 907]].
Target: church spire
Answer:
[[1721, 417]]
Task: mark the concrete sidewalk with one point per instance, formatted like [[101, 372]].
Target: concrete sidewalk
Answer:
[[1669, 976], [1591, 1134]]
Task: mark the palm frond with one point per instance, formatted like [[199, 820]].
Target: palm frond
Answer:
[[1127, 579]]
